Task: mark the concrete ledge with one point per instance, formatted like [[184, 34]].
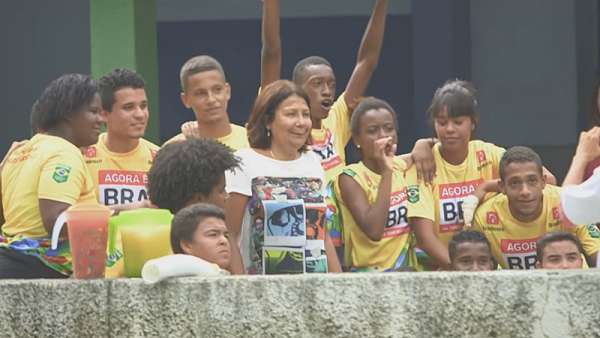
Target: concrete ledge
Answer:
[[497, 304]]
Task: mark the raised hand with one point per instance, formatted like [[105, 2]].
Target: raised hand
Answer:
[[385, 151]]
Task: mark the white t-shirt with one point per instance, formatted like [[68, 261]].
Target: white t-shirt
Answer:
[[283, 228]]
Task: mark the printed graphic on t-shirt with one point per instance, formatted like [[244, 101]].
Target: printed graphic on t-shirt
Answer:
[[519, 253], [397, 221], [122, 186], [452, 196], [326, 150], [287, 227]]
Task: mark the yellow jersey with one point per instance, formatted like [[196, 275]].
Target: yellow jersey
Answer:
[[514, 242], [46, 167], [330, 141], [120, 178], [396, 247], [236, 140], [442, 201]]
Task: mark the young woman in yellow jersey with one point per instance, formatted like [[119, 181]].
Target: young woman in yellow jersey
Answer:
[[465, 170], [46, 175], [374, 194]]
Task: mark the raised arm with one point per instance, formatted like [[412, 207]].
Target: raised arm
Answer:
[[270, 67], [588, 149], [368, 55]]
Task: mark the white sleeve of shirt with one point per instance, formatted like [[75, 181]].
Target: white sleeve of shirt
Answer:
[[239, 181]]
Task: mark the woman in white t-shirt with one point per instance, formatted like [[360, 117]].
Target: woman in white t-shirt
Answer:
[[275, 210]]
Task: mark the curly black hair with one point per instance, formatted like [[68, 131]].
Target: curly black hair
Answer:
[[117, 79], [62, 98], [181, 170]]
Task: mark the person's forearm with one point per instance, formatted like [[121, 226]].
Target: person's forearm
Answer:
[[370, 47], [489, 186], [376, 216], [576, 171], [236, 264], [333, 263], [436, 250], [271, 43]]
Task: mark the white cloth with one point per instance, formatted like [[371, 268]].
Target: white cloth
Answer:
[[179, 265], [581, 203]]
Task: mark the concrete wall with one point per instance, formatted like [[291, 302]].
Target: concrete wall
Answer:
[[498, 304]]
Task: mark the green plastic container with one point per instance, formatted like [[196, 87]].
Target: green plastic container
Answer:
[[145, 235]]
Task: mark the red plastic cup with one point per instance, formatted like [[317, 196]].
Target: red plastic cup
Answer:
[[88, 233]]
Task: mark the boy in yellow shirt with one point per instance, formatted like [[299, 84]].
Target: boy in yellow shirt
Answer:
[[205, 90], [526, 210], [330, 117], [120, 160]]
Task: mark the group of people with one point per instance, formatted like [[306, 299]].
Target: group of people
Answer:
[[276, 195]]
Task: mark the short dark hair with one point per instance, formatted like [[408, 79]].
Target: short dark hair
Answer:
[[199, 64], [555, 236], [366, 104], [299, 73], [465, 236], [186, 221], [117, 79], [263, 111], [61, 99], [458, 97], [181, 170], [519, 154]]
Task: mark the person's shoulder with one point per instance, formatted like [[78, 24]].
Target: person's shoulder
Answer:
[[486, 146], [237, 129], [177, 138], [495, 202], [310, 156], [552, 191], [149, 145]]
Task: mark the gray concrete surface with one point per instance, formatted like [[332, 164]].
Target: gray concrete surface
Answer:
[[498, 304]]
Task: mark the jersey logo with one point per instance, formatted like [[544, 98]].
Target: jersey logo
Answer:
[[492, 218], [555, 213], [61, 173], [90, 152], [413, 193], [481, 156]]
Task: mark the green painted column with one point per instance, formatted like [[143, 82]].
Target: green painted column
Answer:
[[123, 35]]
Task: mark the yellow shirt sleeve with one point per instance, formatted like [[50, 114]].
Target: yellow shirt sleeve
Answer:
[[338, 122], [420, 197], [64, 178], [590, 244], [496, 155]]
